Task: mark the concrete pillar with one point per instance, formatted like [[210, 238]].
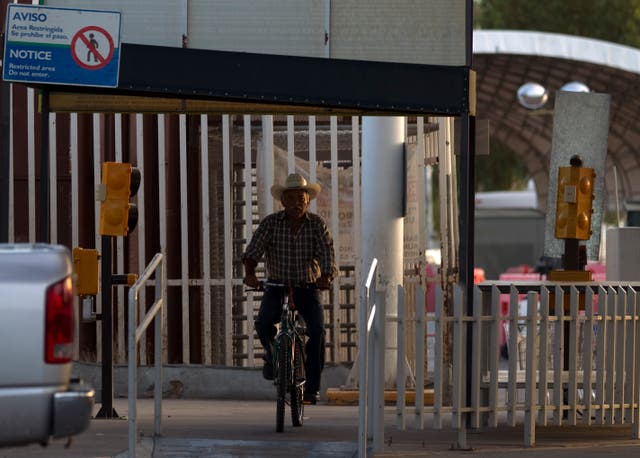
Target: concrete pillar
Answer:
[[382, 224]]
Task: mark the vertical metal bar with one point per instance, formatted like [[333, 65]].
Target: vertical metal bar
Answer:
[[162, 223], [459, 365], [53, 190], [420, 191], [206, 238], [588, 356], [371, 365], [43, 231], [514, 357], [379, 333], [313, 164], [228, 241], [612, 300], [636, 366], [438, 369], [530, 409], [619, 398], [457, 250], [476, 358], [132, 366], [420, 357], [629, 349], [160, 295], [493, 356], [73, 159], [572, 385], [401, 361], [11, 190], [75, 223], [458, 324], [107, 410], [335, 230], [291, 137], [6, 179], [363, 373], [184, 240], [601, 368], [248, 228], [543, 373], [267, 159], [357, 201], [31, 164], [97, 178], [120, 356], [141, 230], [558, 357]]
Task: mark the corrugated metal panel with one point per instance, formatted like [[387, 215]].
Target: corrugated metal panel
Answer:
[[411, 31], [151, 22], [285, 27]]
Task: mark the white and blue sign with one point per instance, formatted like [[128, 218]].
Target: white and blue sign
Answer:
[[61, 46]]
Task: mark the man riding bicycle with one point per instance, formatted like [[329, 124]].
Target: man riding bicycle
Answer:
[[298, 250]]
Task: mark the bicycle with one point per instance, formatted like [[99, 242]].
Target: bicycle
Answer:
[[288, 359]]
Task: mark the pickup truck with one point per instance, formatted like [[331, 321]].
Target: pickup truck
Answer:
[[38, 398]]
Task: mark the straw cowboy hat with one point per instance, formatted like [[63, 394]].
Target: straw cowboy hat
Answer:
[[295, 181]]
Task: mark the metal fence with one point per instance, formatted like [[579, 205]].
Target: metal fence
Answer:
[[205, 181], [573, 357]]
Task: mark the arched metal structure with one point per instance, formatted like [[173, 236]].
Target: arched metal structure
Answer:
[[505, 60]]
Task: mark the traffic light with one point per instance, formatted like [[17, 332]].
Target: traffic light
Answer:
[[574, 199], [120, 182], [85, 265]]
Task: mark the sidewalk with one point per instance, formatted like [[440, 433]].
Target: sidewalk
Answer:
[[211, 428]]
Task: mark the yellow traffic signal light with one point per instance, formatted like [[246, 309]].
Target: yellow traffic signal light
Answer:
[[120, 182], [85, 265], [574, 199]]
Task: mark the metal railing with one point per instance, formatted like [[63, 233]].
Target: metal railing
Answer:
[[572, 354], [371, 408], [405, 321], [135, 333]]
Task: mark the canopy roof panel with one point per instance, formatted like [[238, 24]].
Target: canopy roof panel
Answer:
[[505, 60]]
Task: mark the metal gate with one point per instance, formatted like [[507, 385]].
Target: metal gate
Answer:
[[203, 191]]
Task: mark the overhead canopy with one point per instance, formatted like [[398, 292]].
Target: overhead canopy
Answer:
[[238, 81], [505, 60], [352, 56]]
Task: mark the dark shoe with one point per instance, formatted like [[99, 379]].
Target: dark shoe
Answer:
[[311, 397], [267, 370]]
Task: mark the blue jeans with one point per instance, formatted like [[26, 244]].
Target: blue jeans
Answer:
[[307, 303]]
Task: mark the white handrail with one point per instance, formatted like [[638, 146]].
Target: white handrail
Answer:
[[367, 317], [135, 332]]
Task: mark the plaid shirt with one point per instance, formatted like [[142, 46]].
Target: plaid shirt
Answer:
[[299, 258]]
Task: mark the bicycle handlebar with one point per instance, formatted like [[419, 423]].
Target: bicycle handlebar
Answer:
[[274, 284]]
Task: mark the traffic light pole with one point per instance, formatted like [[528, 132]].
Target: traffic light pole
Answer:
[[107, 410], [118, 217]]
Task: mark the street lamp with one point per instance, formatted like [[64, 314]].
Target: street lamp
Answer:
[[532, 95], [575, 86]]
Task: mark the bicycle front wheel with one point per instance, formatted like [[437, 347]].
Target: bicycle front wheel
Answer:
[[282, 381], [297, 387]]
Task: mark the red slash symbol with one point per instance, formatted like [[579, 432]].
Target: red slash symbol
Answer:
[[87, 40]]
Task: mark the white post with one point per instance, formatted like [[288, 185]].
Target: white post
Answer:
[[382, 224], [267, 160]]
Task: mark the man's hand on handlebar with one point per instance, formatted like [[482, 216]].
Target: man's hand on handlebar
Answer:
[[323, 282]]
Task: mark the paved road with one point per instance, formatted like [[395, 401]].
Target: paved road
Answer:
[[210, 428]]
